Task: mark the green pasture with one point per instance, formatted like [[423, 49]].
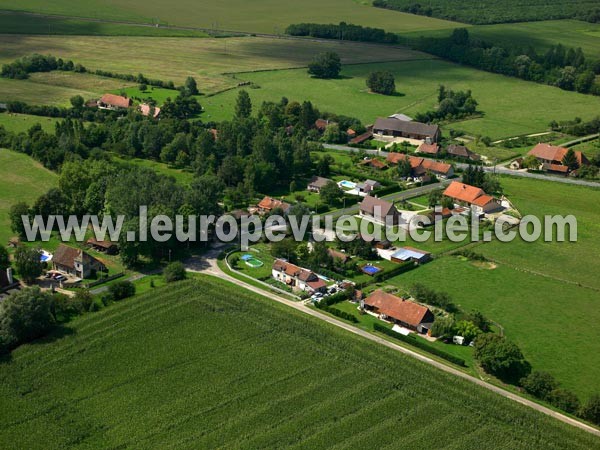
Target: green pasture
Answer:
[[510, 106], [21, 180]]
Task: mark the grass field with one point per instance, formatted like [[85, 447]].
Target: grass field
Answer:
[[22, 122], [183, 177], [205, 59], [56, 88], [511, 106], [545, 294], [21, 180], [540, 35], [14, 23], [259, 16], [202, 364]]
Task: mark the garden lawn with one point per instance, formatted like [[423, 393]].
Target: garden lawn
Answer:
[[21, 180], [183, 177], [510, 106], [202, 363]]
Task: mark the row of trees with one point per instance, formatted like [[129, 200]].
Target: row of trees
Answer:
[[342, 31], [565, 68]]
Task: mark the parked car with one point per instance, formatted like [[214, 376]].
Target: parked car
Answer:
[[60, 278]]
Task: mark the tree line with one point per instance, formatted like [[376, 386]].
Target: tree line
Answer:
[[342, 31], [566, 68]]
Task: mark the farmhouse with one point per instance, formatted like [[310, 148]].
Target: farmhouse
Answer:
[[146, 110], [268, 204], [551, 158], [296, 277], [402, 117], [410, 254], [394, 128], [397, 310], [420, 166], [476, 198], [460, 151], [379, 211], [317, 183], [114, 102], [322, 124], [76, 262], [430, 149]]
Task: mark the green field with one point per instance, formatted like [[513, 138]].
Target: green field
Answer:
[[511, 106], [183, 177], [259, 16], [23, 122], [21, 180], [544, 294], [11, 23], [56, 88], [202, 364], [540, 35], [177, 58]]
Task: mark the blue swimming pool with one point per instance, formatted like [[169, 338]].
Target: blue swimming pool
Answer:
[[371, 270], [347, 184], [247, 257]]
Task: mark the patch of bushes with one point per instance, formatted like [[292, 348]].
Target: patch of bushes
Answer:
[[175, 272], [500, 357], [429, 296], [121, 290], [410, 339]]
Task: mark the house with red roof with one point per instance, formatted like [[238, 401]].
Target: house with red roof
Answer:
[[474, 197], [551, 158], [421, 166], [397, 310], [268, 204], [114, 102], [297, 278]]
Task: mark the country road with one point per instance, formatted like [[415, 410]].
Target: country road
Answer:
[[495, 169], [207, 264]]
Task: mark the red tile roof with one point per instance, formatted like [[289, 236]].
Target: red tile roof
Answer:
[[375, 163], [483, 200], [463, 192], [429, 148], [555, 153], [116, 100], [270, 204], [436, 166], [396, 308]]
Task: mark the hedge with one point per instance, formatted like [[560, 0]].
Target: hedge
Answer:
[[422, 345], [387, 274]]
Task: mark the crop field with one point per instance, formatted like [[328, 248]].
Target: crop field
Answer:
[[545, 294], [56, 88], [21, 180], [205, 59], [15, 23], [259, 16], [478, 12], [511, 106], [23, 122], [202, 364]]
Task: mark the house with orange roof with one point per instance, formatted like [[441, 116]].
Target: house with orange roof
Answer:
[[397, 310], [147, 110], [551, 158], [474, 197], [268, 204], [114, 102], [296, 277], [420, 166]]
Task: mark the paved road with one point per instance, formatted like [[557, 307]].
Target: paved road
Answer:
[[497, 169], [207, 264]]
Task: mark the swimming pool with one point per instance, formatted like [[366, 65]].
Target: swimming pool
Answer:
[[254, 263], [347, 184], [246, 257], [45, 256], [371, 270]]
